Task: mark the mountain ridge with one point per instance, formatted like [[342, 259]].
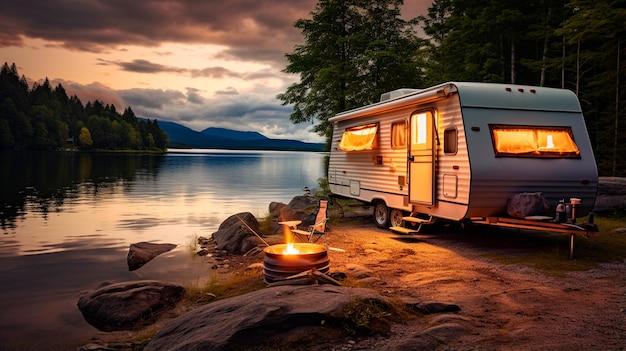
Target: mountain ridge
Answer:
[[180, 136]]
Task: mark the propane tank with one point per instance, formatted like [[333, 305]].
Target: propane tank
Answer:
[[568, 213], [560, 212]]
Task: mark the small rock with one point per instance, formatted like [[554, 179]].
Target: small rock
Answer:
[[257, 265], [435, 307], [141, 253]]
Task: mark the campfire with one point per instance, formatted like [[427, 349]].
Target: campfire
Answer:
[[286, 260]]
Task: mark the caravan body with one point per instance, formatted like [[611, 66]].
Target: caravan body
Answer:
[[458, 151]]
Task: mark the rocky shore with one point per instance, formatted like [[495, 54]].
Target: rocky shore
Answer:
[[422, 292]]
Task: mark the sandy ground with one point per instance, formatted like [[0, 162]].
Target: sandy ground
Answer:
[[502, 306]]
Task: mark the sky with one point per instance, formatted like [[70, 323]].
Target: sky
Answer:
[[200, 63]]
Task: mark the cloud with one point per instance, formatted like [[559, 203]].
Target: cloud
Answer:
[[194, 97], [227, 91], [260, 30], [143, 66], [91, 92], [214, 72], [154, 99], [234, 87], [257, 111]]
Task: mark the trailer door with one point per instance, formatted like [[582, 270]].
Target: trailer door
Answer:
[[421, 158]]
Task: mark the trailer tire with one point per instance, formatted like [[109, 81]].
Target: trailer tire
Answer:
[[381, 214], [395, 218]]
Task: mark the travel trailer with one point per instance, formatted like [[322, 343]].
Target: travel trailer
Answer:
[[460, 151]]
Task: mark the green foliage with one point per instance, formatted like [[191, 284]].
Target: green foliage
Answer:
[[353, 51], [572, 44], [45, 118], [324, 188], [265, 224]]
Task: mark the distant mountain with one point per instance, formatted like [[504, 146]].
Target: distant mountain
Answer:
[[233, 134], [180, 136]]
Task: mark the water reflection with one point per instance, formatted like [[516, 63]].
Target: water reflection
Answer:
[[42, 182], [68, 218]]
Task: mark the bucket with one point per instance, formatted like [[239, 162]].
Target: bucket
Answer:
[[277, 265]]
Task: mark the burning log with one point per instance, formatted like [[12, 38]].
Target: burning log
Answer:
[[310, 277]]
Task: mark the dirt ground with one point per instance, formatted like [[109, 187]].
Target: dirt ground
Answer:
[[502, 306]]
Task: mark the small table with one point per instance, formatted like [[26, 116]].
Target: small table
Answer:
[[293, 229], [290, 224]]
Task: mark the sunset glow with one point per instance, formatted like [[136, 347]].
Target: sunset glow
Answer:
[[198, 64]]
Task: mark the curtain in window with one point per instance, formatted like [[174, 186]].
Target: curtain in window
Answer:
[[359, 138], [398, 134], [534, 141]]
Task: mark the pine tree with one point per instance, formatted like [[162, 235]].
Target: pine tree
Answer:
[[353, 51]]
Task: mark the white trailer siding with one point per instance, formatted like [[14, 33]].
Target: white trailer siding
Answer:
[[358, 174]]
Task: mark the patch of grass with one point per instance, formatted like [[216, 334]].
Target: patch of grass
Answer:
[[220, 286], [369, 316], [606, 246], [192, 247], [265, 223], [143, 337], [355, 283]]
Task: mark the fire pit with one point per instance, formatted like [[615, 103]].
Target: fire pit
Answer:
[[284, 260]]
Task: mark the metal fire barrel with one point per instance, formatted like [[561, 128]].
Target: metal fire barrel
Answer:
[[278, 265]]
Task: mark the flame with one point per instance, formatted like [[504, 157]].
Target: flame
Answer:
[[290, 250]]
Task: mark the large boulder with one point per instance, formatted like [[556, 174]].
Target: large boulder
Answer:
[[300, 208], [141, 253], [611, 194], [264, 315], [128, 305], [238, 233]]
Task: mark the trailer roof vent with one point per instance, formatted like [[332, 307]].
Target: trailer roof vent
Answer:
[[394, 94]]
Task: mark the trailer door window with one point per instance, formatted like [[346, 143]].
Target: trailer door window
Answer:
[[525, 141], [359, 138]]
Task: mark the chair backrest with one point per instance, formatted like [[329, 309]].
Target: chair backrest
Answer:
[[321, 217]]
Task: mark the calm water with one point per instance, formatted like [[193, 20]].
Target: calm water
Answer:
[[67, 220]]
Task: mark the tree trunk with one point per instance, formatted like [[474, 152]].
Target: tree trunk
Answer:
[[513, 63]]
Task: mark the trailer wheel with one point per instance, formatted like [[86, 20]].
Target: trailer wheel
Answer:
[[381, 215], [395, 218]]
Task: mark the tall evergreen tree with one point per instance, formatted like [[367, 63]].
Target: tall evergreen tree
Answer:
[[353, 50], [595, 34]]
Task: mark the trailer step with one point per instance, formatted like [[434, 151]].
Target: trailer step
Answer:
[[418, 220], [404, 230]]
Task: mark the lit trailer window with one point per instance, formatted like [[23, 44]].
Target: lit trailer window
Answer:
[[533, 141], [359, 138]]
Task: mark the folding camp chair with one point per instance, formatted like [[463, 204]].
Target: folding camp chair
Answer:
[[317, 230]]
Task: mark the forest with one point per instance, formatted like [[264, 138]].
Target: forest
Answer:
[[579, 45], [355, 50], [45, 118]]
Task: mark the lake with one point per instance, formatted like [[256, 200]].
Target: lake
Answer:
[[67, 220]]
